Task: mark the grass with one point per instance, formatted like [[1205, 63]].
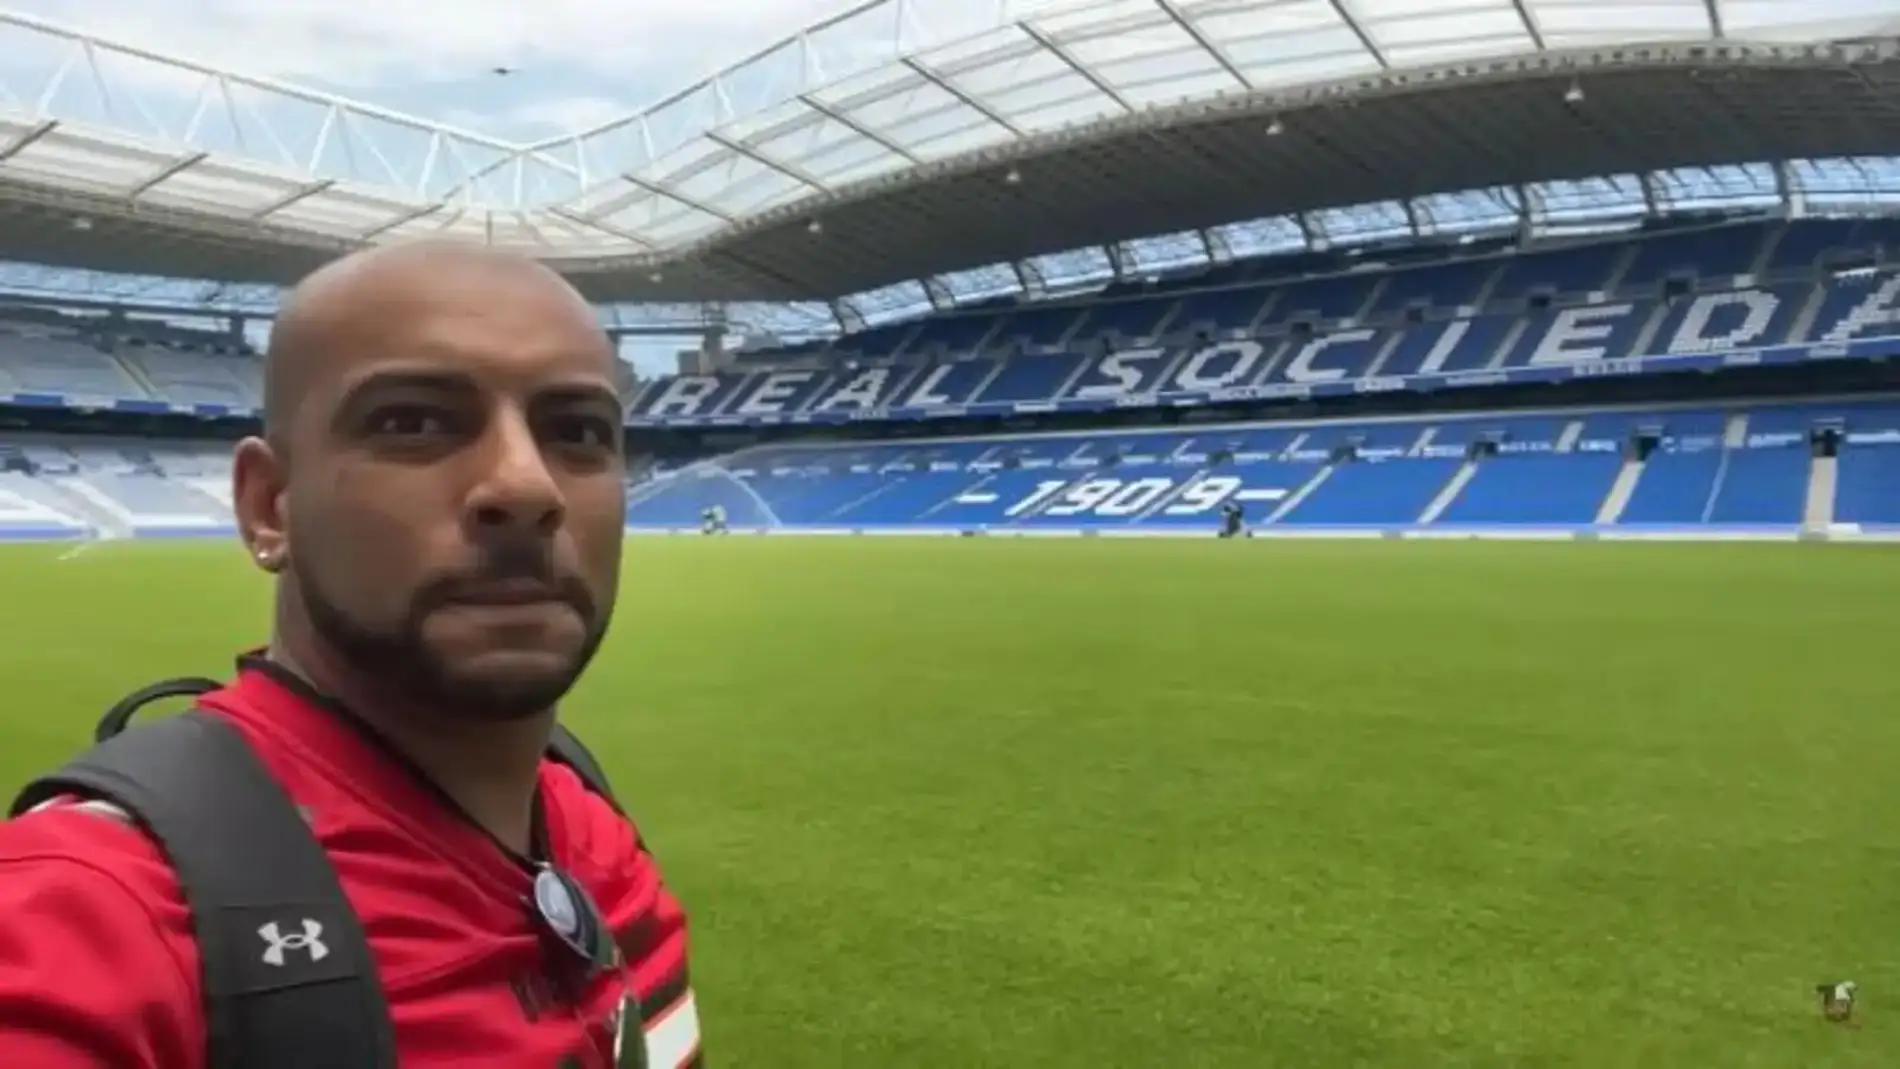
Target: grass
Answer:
[[1161, 803]]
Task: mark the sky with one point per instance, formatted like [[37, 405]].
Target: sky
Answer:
[[578, 62]]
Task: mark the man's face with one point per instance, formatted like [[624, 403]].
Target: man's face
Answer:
[[455, 494]]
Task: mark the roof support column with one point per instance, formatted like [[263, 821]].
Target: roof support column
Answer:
[[1311, 231], [1526, 222], [1218, 241], [1785, 189], [1035, 283], [849, 320], [941, 299], [1018, 267]]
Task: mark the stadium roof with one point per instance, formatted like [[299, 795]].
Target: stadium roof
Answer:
[[918, 142]]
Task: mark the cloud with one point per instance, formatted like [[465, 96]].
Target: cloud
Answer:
[[578, 61], [574, 66]]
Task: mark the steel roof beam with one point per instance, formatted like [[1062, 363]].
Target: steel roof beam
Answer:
[[857, 127], [795, 173], [1343, 8], [181, 164], [1531, 26], [666, 194], [1088, 73], [1208, 44], [599, 226], [301, 193], [25, 140], [400, 220], [468, 180], [930, 75], [525, 220]]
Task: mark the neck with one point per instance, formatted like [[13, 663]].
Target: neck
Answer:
[[488, 768]]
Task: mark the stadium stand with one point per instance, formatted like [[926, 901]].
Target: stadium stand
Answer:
[[1754, 467], [72, 487], [1634, 468], [1709, 294], [1344, 327]]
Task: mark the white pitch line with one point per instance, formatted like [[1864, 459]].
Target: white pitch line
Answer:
[[78, 550]]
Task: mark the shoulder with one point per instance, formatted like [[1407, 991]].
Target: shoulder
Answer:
[[69, 835], [591, 833], [603, 849], [86, 901]]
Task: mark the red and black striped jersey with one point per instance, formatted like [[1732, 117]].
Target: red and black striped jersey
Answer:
[[98, 965]]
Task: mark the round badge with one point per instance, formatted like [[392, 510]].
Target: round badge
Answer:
[[556, 904]]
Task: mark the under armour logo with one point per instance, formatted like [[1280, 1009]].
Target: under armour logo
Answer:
[[309, 940]]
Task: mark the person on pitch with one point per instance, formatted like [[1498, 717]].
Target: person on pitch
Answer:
[[437, 495]]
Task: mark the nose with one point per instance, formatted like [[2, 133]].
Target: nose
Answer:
[[517, 491]]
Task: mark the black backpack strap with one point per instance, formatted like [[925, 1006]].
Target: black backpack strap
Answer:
[[121, 714], [566, 748], [563, 746], [288, 979]]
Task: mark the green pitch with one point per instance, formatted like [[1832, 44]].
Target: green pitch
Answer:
[[1103, 803]]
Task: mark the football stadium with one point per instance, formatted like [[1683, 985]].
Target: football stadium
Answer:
[[1259, 532]]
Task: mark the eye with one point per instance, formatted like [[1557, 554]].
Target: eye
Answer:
[[585, 432], [409, 421]]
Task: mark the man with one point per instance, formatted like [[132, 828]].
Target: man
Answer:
[[439, 494], [1233, 516]]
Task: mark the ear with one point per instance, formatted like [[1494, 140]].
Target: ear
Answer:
[[259, 496]]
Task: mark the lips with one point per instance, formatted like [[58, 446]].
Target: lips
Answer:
[[507, 593]]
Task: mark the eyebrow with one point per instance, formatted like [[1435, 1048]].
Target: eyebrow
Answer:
[[579, 393], [462, 384]]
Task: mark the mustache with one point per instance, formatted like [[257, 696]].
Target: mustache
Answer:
[[515, 562]]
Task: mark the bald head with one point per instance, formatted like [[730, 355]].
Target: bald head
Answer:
[[347, 302], [440, 418]]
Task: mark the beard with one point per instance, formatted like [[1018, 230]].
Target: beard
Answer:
[[399, 660]]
